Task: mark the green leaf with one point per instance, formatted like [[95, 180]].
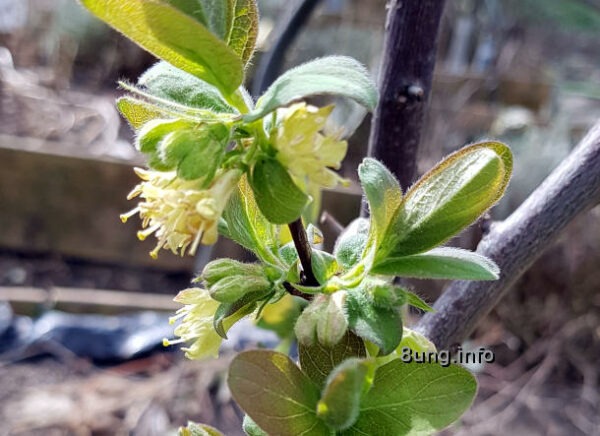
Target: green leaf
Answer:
[[277, 196], [380, 325], [273, 391], [324, 265], [340, 402], [244, 29], [196, 153], [174, 36], [247, 226], [447, 199], [165, 81], [150, 136], [351, 243], [335, 75], [194, 429], [317, 361], [441, 263], [228, 314], [416, 301], [250, 427], [138, 112], [414, 399], [383, 194]]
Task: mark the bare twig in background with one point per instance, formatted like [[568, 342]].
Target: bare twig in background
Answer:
[[405, 82], [517, 242]]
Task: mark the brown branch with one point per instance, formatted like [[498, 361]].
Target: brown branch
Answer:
[[514, 244], [405, 82], [304, 251]]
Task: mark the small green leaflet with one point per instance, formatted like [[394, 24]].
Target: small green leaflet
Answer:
[[172, 35], [441, 263], [414, 399], [277, 196], [273, 391], [334, 75]]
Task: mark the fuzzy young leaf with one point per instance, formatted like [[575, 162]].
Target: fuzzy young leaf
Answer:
[[317, 361], [138, 112], [165, 81], [383, 194], [244, 29], [194, 429], [447, 199], [414, 399], [416, 301], [247, 226], [351, 243], [277, 196], [340, 402], [380, 325], [275, 393], [251, 428], [441, 263], [168, 32], [335, 75]]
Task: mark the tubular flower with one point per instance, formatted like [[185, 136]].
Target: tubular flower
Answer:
[[304, 151], [179, 213], [197, 324]]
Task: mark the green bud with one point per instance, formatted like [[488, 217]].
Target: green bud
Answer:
[[323, 320], [221, 268], [332, 323], [306, 326], [231, 288]]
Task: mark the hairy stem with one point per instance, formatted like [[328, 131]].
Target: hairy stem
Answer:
[[514, 244]]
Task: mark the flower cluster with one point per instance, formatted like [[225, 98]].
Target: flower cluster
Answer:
[[306, 152], [179, 213]]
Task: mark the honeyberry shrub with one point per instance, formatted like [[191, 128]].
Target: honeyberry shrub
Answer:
[[221, 164]]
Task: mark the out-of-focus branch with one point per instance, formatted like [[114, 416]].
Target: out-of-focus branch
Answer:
[[517, 242], [405, 82]]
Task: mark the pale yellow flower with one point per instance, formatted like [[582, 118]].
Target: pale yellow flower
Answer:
[[179, 213], [196, 325], [306, 152]]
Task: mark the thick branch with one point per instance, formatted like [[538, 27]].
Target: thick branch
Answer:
[[517, 242], [405, 82]]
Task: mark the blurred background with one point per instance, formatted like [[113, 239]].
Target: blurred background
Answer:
[[83, 308]]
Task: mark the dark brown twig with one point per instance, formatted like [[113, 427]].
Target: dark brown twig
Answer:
[[304, 251]]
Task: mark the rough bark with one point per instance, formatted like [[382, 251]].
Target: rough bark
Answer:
[[405, 82], [517, 242]]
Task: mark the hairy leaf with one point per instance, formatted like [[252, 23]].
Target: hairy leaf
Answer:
[[138, 112], [351, 243], [414, 399], [247, 226], [380, 325], [335, 75], [441, 263], [244, 29], [383, 194], [317, 361], [165, 81], [323, 265], [340, 402], [447, 199], [275, 393], [167, 32], [277, 196]]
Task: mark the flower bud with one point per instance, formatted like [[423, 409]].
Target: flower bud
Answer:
[[221, 268], [332, 323], [231, 288]]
